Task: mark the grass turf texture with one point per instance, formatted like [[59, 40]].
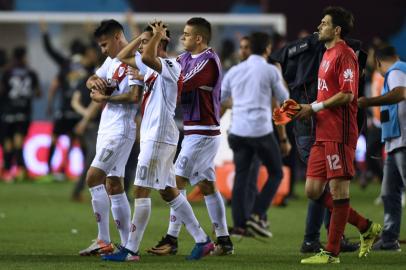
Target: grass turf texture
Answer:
[[41, 229]]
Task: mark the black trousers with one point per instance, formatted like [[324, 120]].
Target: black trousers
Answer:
[[245, 150]]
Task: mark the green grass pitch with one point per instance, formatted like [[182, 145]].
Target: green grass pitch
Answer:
[[41, 229]]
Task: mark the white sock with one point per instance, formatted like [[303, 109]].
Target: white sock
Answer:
[[120, 208], [142, 212], [185, 213], [217, 213], [175, 223], [101, 207]]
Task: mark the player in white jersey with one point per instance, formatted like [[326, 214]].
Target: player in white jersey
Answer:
[[115, 138], [200, 103], [159, 137]]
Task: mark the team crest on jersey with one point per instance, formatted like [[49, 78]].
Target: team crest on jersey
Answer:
[[325, 65], [121, 71], [348, 75]]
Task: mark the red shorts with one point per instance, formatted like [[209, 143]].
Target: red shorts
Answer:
[[330, 160]]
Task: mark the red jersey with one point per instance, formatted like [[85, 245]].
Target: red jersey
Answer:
[[338, 72]]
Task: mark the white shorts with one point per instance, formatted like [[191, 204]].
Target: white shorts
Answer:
[[196, 158], [112, 152], [155, 167]]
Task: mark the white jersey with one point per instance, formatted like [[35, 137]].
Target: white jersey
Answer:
[[117, 119], [159, 101]]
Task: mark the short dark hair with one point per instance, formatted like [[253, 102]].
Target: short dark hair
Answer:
[[164, 42], [385, 52], [245, 38], [19, 53], [108, 27], [77, 47], [259, 41], [340, 17], [202, 26]]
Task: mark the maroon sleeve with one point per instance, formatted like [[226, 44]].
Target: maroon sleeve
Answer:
[[207, 76]]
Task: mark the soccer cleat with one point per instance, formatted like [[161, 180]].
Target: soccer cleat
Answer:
[[380, 245], [323, 257], [201, 249], [367, 239], [258, 226], [98, 247], [122, 255], [223, 246], [238, 232], [167, 246]]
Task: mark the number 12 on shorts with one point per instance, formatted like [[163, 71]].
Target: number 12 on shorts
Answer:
[[333, 161]]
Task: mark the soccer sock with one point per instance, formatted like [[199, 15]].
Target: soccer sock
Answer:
[[339, 218], [185, 213], [120, 208], [51, 153], [354, 218], [358, 221], [101, 206], [175, 223], [326, 199], [217, 213], [142, 212], [8, 157], [19, 157]]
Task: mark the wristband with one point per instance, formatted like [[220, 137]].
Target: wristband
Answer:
[[317, 106]]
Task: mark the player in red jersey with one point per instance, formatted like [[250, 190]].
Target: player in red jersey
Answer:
[[332, 156]]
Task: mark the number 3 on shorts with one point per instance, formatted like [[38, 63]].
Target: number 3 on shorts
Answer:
[[333, 161], [105, 155]]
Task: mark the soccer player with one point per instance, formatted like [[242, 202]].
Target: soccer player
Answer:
[[115, 138], [200, 101], [393, 119], [71, 72], [331, 158], [159, 137], [19, 85]]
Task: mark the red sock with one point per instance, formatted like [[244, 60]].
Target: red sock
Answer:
[[358, 221], [339, 217], [326, 199], [354, 218]]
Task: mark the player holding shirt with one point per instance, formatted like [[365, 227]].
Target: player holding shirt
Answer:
[[200, 103], [159, 137], [331, 158], [116, 135]]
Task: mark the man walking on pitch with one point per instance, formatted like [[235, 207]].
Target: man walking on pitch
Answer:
[[332, 156]]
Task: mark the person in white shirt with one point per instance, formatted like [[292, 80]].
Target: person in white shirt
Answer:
[[159, 137], [252, 84], [115, 138]]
